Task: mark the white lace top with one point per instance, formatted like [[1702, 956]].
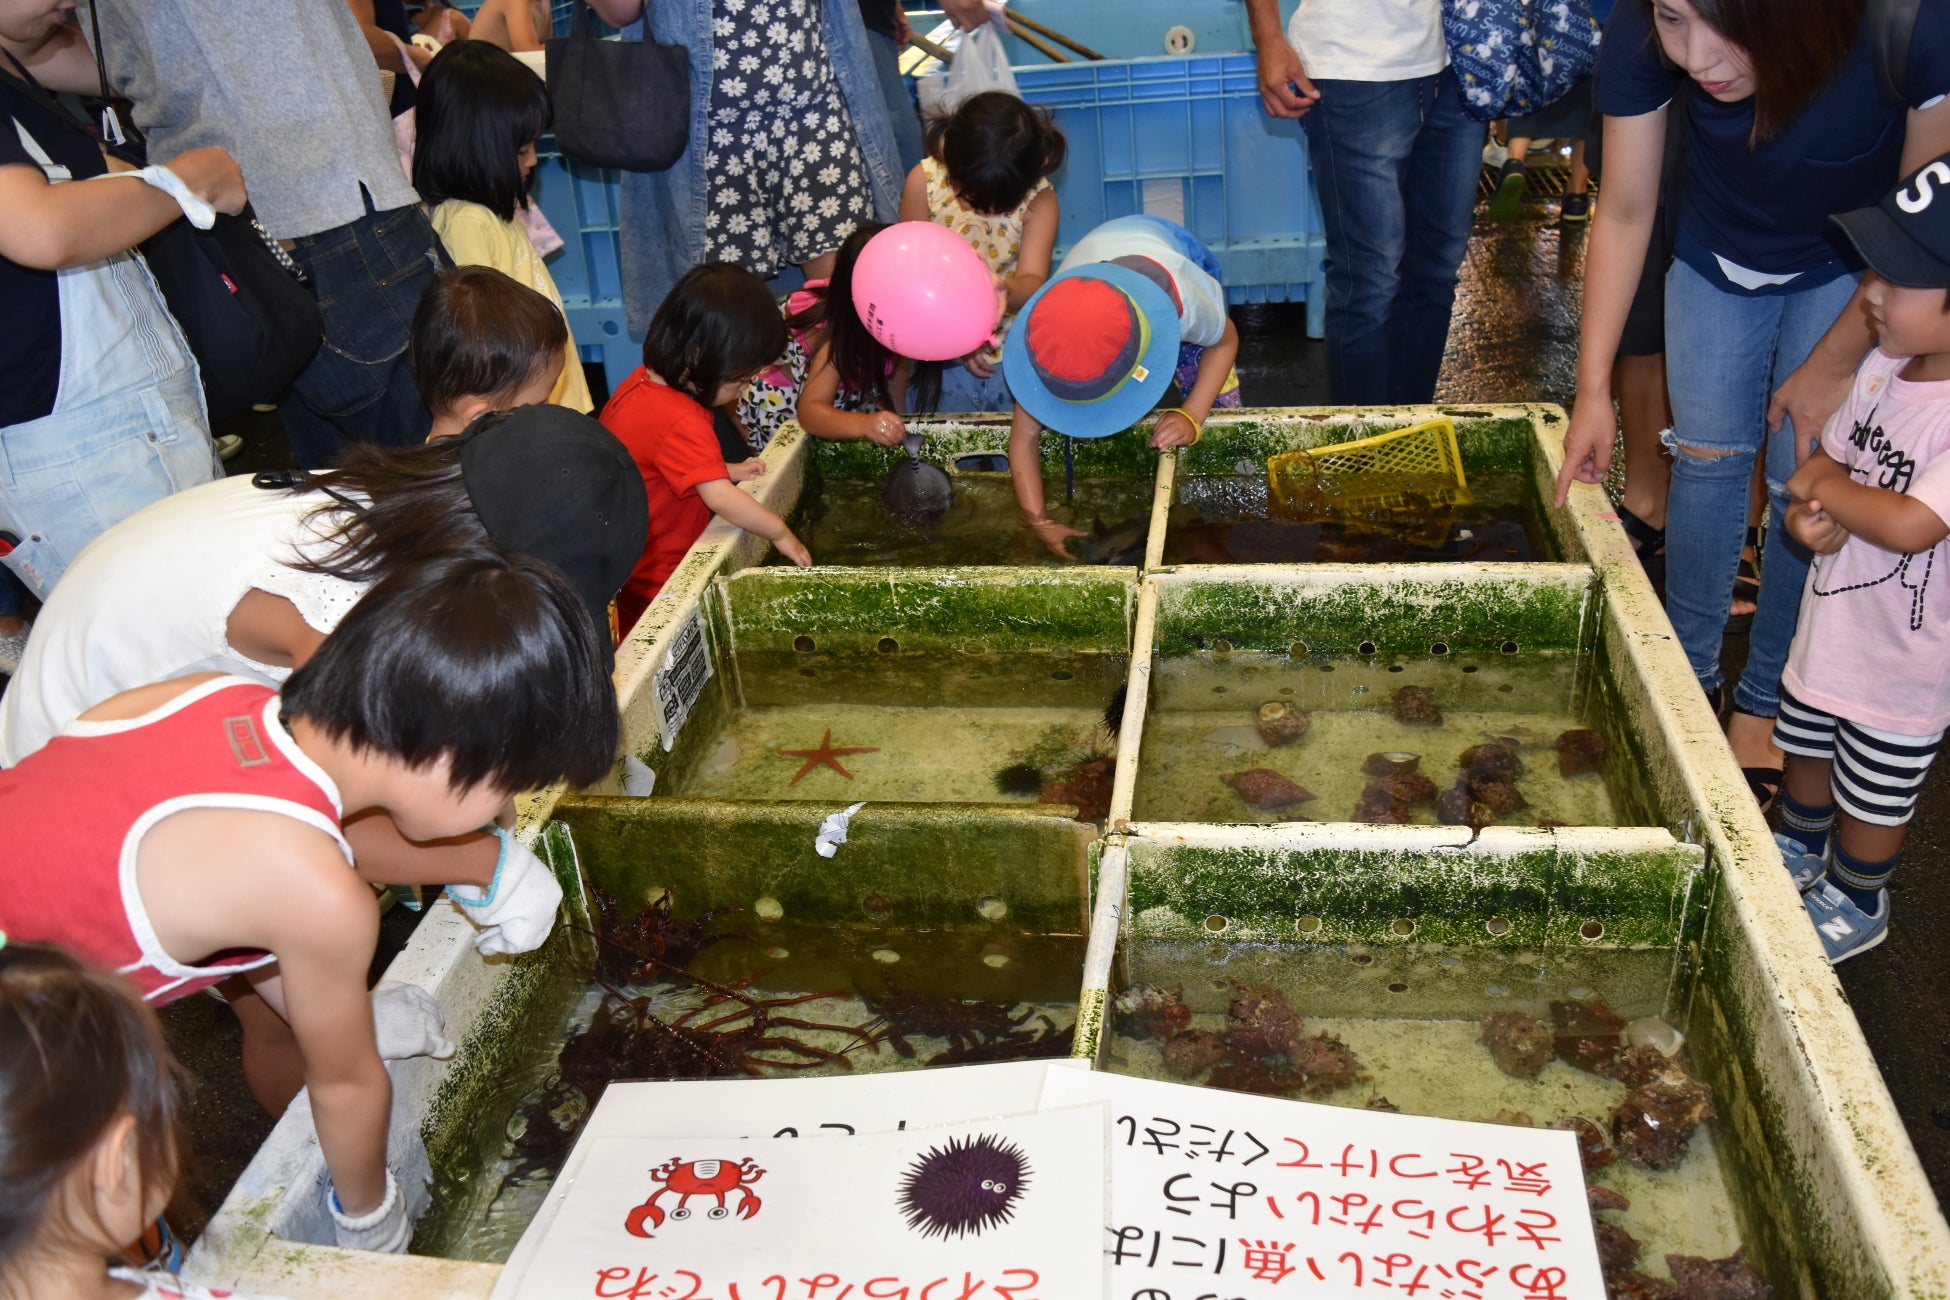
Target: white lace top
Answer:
[[151, 599]]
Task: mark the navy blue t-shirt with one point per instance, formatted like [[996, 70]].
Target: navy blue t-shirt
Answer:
[[1768, 208], [30, 299]]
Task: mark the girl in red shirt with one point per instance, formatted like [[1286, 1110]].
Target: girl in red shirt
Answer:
[[715, 332]]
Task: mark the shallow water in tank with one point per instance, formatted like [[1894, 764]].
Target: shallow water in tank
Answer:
[[1201, 726]]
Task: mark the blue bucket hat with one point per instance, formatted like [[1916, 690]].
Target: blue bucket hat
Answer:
[[1093, 351]]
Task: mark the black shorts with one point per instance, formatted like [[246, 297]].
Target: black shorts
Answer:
[[1645, 322]]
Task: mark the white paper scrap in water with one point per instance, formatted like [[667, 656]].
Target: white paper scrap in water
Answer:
[[1261, 1198], [639, 779], [832, 831], [998, 1209]]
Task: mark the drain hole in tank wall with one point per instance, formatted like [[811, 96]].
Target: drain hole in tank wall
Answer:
[[1222, 647], [1366, 647], [1060, 676], [1495, 991], [888, 645], [1398, 987], [804, 644], [1441, 648], [1592, 930], [1396, 668], [1361, 958], [1402, 927], [1307, 925], [1452, 960], [1216, 924], [1469, 668], [1508, 647], [1497, 925], [1298, 650]]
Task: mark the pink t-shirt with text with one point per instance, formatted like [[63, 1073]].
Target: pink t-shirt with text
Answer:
[[1873, 642]]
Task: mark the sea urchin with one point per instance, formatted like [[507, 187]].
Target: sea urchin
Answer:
[[965, 1187]]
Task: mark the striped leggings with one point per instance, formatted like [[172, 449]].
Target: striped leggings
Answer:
[[1876, 774]]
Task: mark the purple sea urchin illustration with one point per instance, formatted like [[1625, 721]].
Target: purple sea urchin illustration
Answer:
[[965, 1187]]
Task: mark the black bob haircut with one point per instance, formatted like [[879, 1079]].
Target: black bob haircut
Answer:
[[489, 659], [480, 333], [996, 147], [476, 106], [718, 323]]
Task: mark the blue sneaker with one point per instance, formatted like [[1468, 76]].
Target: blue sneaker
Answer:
[[1806, 869], [1846, 929]]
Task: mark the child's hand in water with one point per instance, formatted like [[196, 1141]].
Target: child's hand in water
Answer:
[[745, 470], [1810, 525], [793, 549], [886, 428], [1053, 534], [1174, 429]]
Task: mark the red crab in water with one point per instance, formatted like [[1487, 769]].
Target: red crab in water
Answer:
[[688, 1178]]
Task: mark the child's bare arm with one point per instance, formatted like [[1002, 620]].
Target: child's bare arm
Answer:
[[1173, 429], [1879, 516], [1038, 247], [1026, 471], [822, 419], [729, 504], [914, 195], [745, 470], [1814, 528], [383, 856]]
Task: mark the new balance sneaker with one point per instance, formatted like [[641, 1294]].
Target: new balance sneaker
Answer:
[[228, 445], [1576, 207], [1844, 928], [1806, 869], [1507, 202]]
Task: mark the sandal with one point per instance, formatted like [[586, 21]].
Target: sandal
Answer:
[[1764, 783], [1746, 585], [1648, 543]]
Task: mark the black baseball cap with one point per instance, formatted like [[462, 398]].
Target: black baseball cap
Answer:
[[553, 483], [1905, 239]]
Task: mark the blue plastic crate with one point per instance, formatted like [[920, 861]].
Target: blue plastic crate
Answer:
[[1189, 139]]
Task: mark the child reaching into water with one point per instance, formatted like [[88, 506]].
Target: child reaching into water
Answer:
[[1865, 697], [986, 178], [91, 1104], [479, 113], [481, 342], [217, 849], [834, 376], [710, 337], [1135, 305]]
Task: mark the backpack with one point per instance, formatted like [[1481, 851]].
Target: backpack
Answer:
[[1513, 57]]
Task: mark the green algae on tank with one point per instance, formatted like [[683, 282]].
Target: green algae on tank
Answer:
[[751, 995], [842, 522], [1234, 525], [1205, 758], [1416, 1066]]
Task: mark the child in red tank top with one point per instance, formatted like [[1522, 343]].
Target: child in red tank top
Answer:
[[213, 846]]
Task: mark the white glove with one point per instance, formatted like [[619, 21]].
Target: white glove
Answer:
[[406, 1021], [386, 1229], [518, 910]]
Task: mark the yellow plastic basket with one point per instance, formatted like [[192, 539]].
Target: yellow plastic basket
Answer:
[[1408, 470]]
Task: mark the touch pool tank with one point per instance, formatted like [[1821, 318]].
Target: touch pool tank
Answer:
[[1658, 895]]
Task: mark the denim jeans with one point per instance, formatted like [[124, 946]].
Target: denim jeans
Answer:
[[66, 477], [368, 276], [1725, 355], [901, 113], [1396, 164]]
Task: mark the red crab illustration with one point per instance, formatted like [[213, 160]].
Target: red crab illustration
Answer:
[[688, 1178]]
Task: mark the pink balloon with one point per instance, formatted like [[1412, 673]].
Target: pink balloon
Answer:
[[925, 293]]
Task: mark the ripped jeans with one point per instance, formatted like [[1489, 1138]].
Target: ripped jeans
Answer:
[[1725, 355]]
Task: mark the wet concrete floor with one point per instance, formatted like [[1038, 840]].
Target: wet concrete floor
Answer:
[[1514, 338]]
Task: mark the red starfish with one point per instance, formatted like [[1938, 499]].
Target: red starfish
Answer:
[[826, 754]]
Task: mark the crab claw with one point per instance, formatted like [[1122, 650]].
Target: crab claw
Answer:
[[749, 1206], [646, 1211]]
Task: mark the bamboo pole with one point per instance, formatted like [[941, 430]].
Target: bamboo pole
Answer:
[[1015, 25], [1046, 30]]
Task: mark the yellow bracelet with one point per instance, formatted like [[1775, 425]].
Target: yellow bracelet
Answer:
[[1198, 429]]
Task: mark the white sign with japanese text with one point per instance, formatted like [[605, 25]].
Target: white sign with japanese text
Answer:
[[999, 1209], [1225, 1196]]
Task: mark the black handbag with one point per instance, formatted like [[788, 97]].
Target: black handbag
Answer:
[[623, 104], [241, 302]]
